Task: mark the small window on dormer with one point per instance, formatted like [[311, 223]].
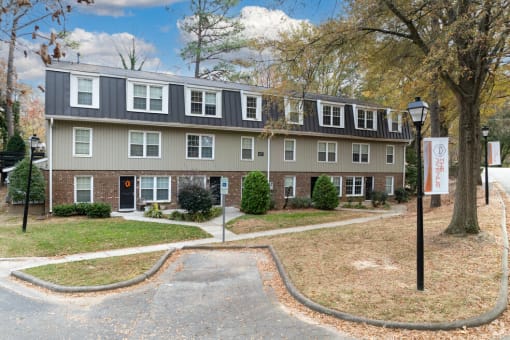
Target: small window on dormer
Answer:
[[365, 118], [203, 102], [251, 106], [395, 122], [84, 91], [330, 114], [294, 110], [147, 97]]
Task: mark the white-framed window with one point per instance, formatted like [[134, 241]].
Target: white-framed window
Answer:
[[390, 154], [337, 182], [83, 189], [394, 121], [289, 186], [247, 148], [82, 142], [251, 104], [144, 144], [204, 102], [326, 152], [389, 187], [294, 110], [365, 118], [84, 90], [150, 97], [360, 153], [199, 146], [331, 114], [289, 150], [354, 186], [155, 189]]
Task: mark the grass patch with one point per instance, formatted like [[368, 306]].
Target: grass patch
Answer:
[[288, 219], [96, 272], [64, 236]]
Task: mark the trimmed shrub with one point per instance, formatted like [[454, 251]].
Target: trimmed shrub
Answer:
[[153, 211], [256, 194], [64, 210], [194, 199], [325, 195], [18, 180], [99, 210], [82, 208], [379, 198], [16, 144], [300, 203], [401, 195]]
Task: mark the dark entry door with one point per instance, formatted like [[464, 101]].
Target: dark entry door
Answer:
[[214, 187], [127, 193], [368, 187], [312, 184]]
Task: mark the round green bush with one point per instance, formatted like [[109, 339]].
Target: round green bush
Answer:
[[325, 195], [16, 144], [18, 180], [194, 199], [256, 194]]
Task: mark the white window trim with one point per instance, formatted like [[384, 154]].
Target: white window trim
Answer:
[[293, 187], [321, 104], [355, 109], [393, 153], [144, 144], [74, 142], [347, 194], [293, 152], [200, 146], [187, 101], [74, 89], [154, 188], [327, 151], [352, 153], [391, 115], [130, 93], [287, 110], [91, 188], [392, 192], [244, 95], [341, 183], [252, 148]]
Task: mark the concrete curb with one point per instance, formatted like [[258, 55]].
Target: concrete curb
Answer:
[[88, 289]]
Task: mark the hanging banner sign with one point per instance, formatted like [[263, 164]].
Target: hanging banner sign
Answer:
[[435, 154], [493, 153]]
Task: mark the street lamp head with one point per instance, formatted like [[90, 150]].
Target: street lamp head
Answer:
[[418, 110], [485, 131], [34, 141]]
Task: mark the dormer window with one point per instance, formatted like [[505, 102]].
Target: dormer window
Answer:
[[84, 90], [147, 97], [203, 102], [330, 114], [365, 118], [251, 106], [294, 110], [395, 121]]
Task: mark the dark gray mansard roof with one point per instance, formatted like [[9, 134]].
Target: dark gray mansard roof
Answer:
[[113, 104]]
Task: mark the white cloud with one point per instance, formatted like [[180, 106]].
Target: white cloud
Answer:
[[117, 8]]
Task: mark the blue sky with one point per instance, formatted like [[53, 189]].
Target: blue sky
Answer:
[[107, 27]]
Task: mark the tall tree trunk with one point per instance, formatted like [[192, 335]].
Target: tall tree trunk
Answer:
[[465, 219], [435, 131], [9, 116]]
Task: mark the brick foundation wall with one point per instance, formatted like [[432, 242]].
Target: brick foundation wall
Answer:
[[106, 185]]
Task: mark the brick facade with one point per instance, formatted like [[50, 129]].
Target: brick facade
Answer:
[[106, 184]]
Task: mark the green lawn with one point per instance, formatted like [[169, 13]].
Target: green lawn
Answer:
[[57, 236]]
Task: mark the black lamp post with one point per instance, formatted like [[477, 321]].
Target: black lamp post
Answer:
[[33, 142], [485, 133], [418, 110]]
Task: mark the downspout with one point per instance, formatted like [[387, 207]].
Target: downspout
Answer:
[[269, 158], [50, 156], [404, 168]]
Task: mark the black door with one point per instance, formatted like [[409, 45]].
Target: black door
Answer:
[[214, 187], [368, 188], [127, 193], [312, 184]]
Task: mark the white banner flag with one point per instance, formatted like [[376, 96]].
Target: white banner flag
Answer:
[[435, 154], [493, 153]]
